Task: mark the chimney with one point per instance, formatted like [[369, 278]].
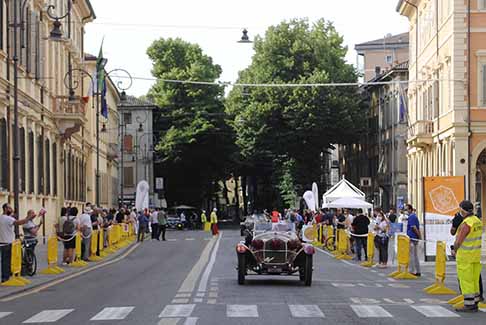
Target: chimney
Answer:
[[377, 71]]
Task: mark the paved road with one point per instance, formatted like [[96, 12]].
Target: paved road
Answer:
[[192, 280]]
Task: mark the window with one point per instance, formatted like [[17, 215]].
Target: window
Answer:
[[128, 143], [482, 84], [40, 165], [48, 167], [127, 118], [128, 179], [4, 155], [54, 169], [22, 159], [389, 59], [31, 162], [482, 4]]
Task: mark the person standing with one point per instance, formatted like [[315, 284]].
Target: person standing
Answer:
[[381, 239], [86, 228], [31, 229], [467, 249], [68, 226], [360, 228], [7, 237], [154, 224], [204, 219], [162, 218], [413, 232], [214, 222], [142, 226]]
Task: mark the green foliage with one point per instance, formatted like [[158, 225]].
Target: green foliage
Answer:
[[296, 122], [286, 183]]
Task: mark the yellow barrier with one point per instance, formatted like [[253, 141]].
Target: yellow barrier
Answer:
[[94, 246], [101, 243], [52, 267], [16, 280], [78, 262], [439, 288], [370, 250], [342, 246], [328, 243], [111, 241], [403, 259]]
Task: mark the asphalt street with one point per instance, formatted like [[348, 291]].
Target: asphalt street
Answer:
[[191, 279]]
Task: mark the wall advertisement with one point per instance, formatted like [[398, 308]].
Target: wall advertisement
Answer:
[[442, 196]]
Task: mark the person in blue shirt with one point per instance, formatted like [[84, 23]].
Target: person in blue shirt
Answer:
[[413, 231]]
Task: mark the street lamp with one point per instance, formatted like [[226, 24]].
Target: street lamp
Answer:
[[245, 38], [56, 33]]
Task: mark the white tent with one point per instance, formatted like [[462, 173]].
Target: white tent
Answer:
[[349, 203], [343, 189]]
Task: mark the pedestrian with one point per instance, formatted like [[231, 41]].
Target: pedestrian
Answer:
[[120, 216], [360, 229], [275, 216], [96, 222], [107, 222], [69, 225], [154, 224], [7, 237], [467, 249], [381, 239], [31, 229], [392, 215], [341, 219], [456, 222], [142, 226], [134, 219], [86, 228], [413, 232], [214, 222], [162, 218]]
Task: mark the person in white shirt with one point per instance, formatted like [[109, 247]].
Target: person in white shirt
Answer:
[[154, 224], [86, 228], [7, 237]]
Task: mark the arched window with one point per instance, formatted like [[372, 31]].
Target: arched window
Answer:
[[4, 155], [31, 162], [22, 159]]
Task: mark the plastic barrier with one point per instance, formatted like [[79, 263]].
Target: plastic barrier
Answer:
[[329, 234], [207, 226], [94, 246], [439, 288], [342, 246], [78, 262], [16, 280], [52, 267], [111, 240], [370, 250], [101, 243], [403, 259]]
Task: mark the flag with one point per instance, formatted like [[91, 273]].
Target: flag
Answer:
[[100, 69], [104, 105]]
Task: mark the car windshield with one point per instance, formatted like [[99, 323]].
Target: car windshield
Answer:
[[265, 225]]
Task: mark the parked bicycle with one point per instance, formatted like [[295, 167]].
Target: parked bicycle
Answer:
[[29, 260]]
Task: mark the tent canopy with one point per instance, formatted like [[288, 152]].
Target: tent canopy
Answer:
[[343, 189], [349, 203], [183, 207]]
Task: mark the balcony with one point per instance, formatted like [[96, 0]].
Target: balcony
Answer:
[[112, 151], [69, 116], [420, 134]]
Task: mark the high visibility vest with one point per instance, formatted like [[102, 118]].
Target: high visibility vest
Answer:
[[470, 250], [204, 219], [214, 217]]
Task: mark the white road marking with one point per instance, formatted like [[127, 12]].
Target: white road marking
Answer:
[[190, 239], [48, 316], [177, 311], [190, 282], [180, 301], [113, 313], [374, 271], [241, 311], [169, 321], [369, 311], [213, 289], [200, 294], [306, 311], [371, 285], [365, 301], [191, 321], [398, 285], [4, 314], [345, 285], [213, 295], [207, 238], [183, 295], [171, 239], [198, 299], [212, 301], [203, 284], [434, 311], [398, 302]]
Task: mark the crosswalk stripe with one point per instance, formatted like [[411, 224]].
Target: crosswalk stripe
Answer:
[[112, 313], [434, 311], [177, 310], [241, 311], [191, 321], [169, 321], [368, 311], [4, 314], [48, 316], [306, 311]]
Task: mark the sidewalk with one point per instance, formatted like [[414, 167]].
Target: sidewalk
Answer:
[[39, 279]]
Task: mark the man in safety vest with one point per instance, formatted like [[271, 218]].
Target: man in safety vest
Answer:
[[467, 249], [214, 221], [204, 218]]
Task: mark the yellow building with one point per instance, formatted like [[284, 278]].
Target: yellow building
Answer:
[[447, 94], [56, 135]]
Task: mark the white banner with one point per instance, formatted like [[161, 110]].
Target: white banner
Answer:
[[437, 228]]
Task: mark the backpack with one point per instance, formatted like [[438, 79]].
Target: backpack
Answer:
[[68, 226]]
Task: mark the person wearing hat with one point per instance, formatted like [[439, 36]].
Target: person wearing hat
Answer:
[[214, 222], [204, 219], [467, 249]]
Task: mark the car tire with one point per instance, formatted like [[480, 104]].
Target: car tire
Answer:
[[301, 273], [308, 271], [241, 269]]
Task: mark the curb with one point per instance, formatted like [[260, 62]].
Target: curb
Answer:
[[113, 258]]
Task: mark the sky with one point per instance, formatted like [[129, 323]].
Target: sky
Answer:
[[129, 28]]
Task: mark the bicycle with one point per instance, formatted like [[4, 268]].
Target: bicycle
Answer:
[[29, 260]]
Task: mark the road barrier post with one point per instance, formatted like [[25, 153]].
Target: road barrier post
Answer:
[[78, 262], [94, 246], [403, 259], [370, 250], [111, 240], [343, 246], [52, 267], [101, 243], [330, 245], [16, 280], [439, 288]]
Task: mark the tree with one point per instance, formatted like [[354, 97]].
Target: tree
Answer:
[[195, 144], [296, 124]]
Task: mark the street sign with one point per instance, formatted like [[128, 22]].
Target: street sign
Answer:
[[159, 183]]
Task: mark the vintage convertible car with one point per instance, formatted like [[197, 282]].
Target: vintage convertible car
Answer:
[[274, 249], [246, 226]]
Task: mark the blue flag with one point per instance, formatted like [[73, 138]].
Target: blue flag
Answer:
[[104, 105]]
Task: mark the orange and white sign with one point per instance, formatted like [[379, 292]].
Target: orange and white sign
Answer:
[[442, 196]]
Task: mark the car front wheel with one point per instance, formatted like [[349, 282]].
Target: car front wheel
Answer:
[[308, 271], [241, 269]]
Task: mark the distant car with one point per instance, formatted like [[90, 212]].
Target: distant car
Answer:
[[274, 249], [174, 222]]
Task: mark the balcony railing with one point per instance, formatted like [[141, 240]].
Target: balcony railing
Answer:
[[70, 116], [420, 133], [112, 151], [62, 105]]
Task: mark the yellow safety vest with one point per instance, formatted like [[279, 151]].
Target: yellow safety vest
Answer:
[[204, 219], [470, 250], [214, 217]]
